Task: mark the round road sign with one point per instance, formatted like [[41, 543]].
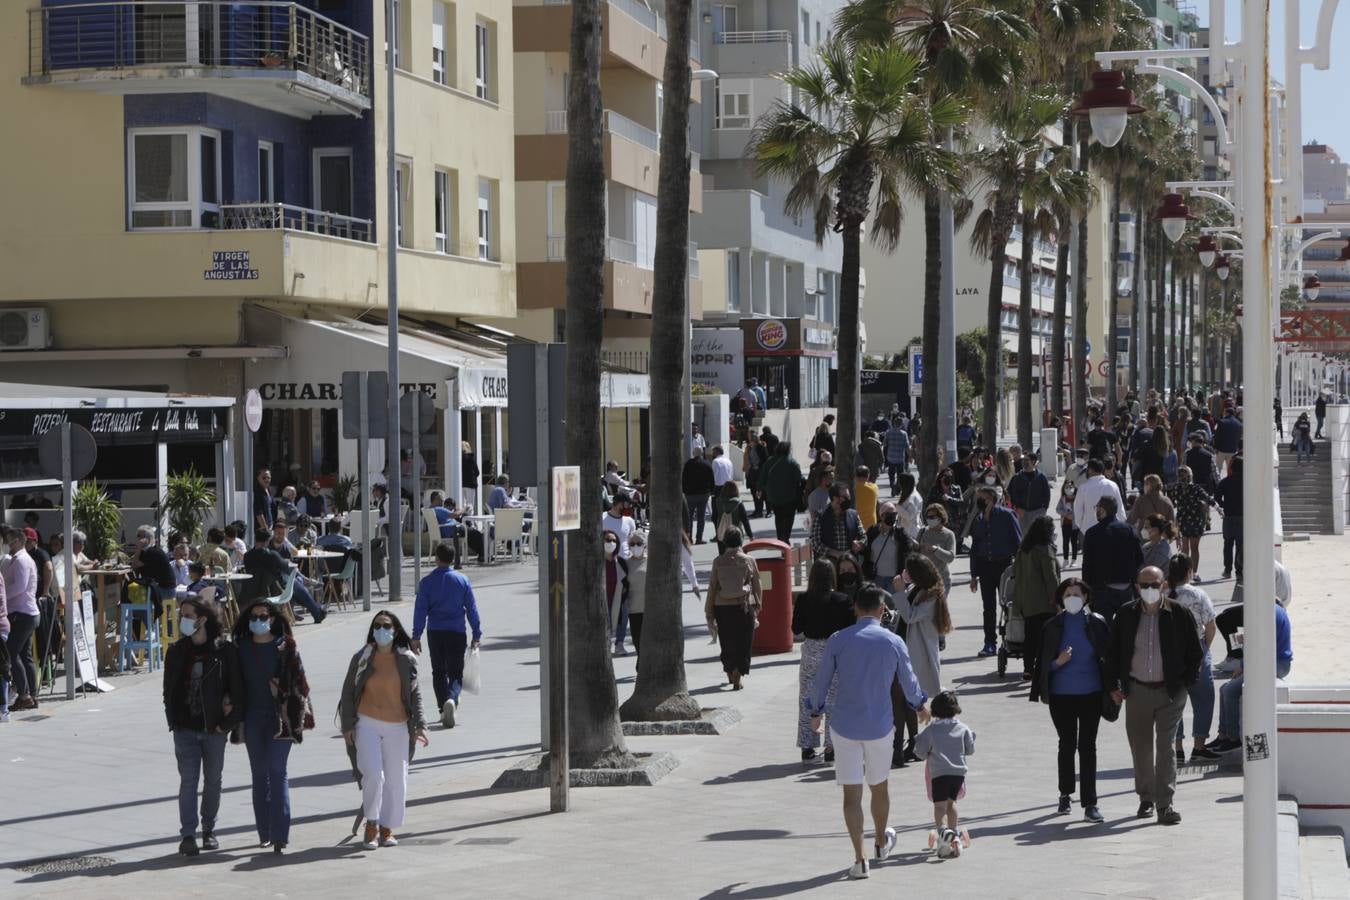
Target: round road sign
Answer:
[[83, 452], [253, 410], [1104, 368]]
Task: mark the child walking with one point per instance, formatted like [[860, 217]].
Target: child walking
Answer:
[[945, 744]]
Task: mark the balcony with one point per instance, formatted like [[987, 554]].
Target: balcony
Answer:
[[759, 53], [632, 34], [753, 37], [275, 55], [283, 216]]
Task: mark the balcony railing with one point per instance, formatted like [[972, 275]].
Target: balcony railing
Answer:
[[263, 34], [278, 216], [555, 122], [620, 250], [753, 37]]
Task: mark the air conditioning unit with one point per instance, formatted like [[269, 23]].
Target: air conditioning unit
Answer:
[[23, 329]]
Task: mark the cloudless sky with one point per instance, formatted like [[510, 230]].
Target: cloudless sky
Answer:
[[1326, 108]]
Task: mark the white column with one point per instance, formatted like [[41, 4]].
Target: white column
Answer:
[[497, 435], [162, 486], [454, 455], [478, 451]]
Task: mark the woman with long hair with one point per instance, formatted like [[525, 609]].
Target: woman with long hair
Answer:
[[1157, 533], [729, 512], [734, 598], [921, 607], [616, 591], [937, 542], [276, 714], [1153, 499], [1068, 529], [1070, 676], [1201, 691], [848, 576], [1192, 503], [381, 715], [816, 614], [1035, 578]]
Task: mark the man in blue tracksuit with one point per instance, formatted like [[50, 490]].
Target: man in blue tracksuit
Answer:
[[444, 601]]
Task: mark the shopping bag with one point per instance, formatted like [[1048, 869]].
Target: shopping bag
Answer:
[[472, 680]]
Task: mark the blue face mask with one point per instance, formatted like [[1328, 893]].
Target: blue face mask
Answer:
[[259, 626], [384, 636]]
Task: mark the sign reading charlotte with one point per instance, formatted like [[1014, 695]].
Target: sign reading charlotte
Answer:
[[230, 265]]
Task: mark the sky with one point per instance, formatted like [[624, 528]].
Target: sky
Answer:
[[1325, 118]]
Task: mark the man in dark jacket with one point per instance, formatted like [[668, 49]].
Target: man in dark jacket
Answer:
[[873, 454], [270, 571], [1229, 497], [781, 481], [1029, 491], [202, 684], [1227, 437], [1111, 557], [698, 483], [1153, 657], [1201, 462], [1320, 410], [994, 538]]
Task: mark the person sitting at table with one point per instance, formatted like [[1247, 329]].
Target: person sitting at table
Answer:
[[234, 542], [197, 577], [83, 564], [285, 509], [380, 497], [313, 504], [280, 543], [449, 525], [180, 562], [500, 498], [152, 567], [305, 532], [270, 571], [215, 553], [334, 541]]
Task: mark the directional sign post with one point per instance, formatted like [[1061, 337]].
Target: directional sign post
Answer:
[[68, 453]]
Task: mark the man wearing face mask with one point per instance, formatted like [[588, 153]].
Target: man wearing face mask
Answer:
[[1153, 657], [995, 537], [887, 548], [1029, 491], [1111, 557], [837, 531]]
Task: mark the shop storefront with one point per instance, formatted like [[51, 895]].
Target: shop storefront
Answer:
[[791, 358]]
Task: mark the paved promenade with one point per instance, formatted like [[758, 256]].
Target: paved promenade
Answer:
[[740, 816]]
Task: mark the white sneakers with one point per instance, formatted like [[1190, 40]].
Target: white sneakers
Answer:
[[862, 869], [884, 849], [858, 871], [448, 714]]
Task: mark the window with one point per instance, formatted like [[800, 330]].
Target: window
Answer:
[[445, 211], [403, 197], [733, 103], [733, 281], [487, 195], [267, 172], [442, 43], [557, 220], [724, 18], [817, 31], [485, 59], [806, 28], [333, 180], [173, 178], [399, 28]]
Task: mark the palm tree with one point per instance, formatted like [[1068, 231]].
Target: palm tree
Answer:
[[595, 737], [662, 691], [971, 53], [857, 138]]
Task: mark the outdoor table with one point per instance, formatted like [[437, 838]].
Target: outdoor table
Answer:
[[107, 644], [313, 556], [230, 606], [489, 545]]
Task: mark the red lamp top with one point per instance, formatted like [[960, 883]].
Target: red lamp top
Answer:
[[1207, 244], [1174, 207], [1108, 91]]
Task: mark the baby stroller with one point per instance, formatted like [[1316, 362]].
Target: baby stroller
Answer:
[[1012, 630]]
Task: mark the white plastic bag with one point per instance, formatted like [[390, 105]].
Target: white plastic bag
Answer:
[[472, 680]]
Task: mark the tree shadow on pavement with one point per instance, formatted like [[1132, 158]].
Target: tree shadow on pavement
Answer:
[[768, 772], [775, 890]]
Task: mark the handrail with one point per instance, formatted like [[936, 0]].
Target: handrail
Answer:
[[776, 36], [621, 126], [284, 216]]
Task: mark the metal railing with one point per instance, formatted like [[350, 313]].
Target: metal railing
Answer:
[[619, 250], [557, 248], [638, 361], [624, 127], [555, 121], [753, 37], [264, 34], [275, 216]]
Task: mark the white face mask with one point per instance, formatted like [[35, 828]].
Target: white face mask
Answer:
[[610, 547], [933, 521], [1073, 604], [989, 479], [187, 627], [637, 551], [1151, 596]]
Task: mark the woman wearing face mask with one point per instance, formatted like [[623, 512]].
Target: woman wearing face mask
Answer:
[[848, 576], [276, 714], [381, 715], [1192, 504], [1151, 502], [921, 618], [817, 613], [637, 586], [1070, 676], [201, 685], [1035, 578], [735, 595], [1157, 533], [887, 547], [1068, 529], [1201, 691], [946, 493], [937, 542], [616, 591]]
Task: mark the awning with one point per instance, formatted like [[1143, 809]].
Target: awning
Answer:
[[114, 417]]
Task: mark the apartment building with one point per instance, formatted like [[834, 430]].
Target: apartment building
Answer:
[[203, 187], [1325, 177], [1217, 165]]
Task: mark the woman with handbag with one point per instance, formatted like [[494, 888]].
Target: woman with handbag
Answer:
[[276, 714], [732, 606], [921, 619], [1070, 676], [1035, 572], [817, 613], [729, 512]]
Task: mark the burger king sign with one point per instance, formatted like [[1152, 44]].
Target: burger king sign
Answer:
[[771, 334]]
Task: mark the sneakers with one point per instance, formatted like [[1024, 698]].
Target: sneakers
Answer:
[[371, 837], [1203, 753], [884, 849], [1222, 745], [4, 717], [448, 714], [987, 650], [1145, 809], [1168, 816], [858, 870], [1092, 814], [209, 841], [387, 838], [1181, 757], [188, 846], [808, 754], [1065, 805], [829, 755]]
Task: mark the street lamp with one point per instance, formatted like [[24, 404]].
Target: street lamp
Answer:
[[1312, 286], [1173, 214], [1208, 248], [1108, 104], [1221, 267]]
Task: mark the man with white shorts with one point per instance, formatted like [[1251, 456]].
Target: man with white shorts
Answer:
[[868, 660]]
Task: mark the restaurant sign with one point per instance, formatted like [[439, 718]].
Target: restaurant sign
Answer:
[[480, 388], [326, 393], [177, 424]]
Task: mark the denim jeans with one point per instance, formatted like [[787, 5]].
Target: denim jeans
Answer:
[[271, 791], [201, 756], [20, 643], [302, 596], [1202, 703], [698, 513], [1230, 703], [446, 648]]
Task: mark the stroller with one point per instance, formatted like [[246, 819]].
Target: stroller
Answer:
[[1012, 630]]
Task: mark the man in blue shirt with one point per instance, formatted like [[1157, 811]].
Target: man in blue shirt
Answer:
[[1227, 438], [444, 601], [994, 539], [1230, 695], [897, 452], [448, 521], [869, 660]]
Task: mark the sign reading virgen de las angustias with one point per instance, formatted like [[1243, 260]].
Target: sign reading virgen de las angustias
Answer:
[[230, 265]]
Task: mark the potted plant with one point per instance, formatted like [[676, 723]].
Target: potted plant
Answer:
[[343, 489], [186, 502], [99, 517]]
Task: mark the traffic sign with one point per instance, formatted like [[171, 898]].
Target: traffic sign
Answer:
[[1104, 368], [83, 452], [915, 370], [566, 498], [253, 410]]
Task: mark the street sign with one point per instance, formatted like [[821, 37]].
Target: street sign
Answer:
[[83, 452], [426, 412], [377, 389], [915, 370], [1104, 368], [253, 410], [566, 498]]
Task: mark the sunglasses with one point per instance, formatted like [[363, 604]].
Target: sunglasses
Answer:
[[1151, 584], [261, 617]]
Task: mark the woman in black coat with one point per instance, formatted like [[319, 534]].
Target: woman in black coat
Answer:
[[817, 613]]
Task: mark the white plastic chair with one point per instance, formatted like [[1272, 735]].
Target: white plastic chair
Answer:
[[510, 529]]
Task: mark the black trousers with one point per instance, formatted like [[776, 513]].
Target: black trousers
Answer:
[[698, 512], [446, 649], [989, 570], [784, 517], [735, 631], [1076, 718], [1068, 538], [635, 630], [1228, 622], [1031, 649]]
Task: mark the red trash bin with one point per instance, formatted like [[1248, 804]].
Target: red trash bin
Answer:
[[774, 634]]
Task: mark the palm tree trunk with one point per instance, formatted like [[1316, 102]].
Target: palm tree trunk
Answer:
[[858, 183], [662, 691], [596, 739], [1137, 298], [1145, 318], [1024, 333], [993, 336], [1113, 301], [932, 323], [1080, 307], [1055, 390]]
